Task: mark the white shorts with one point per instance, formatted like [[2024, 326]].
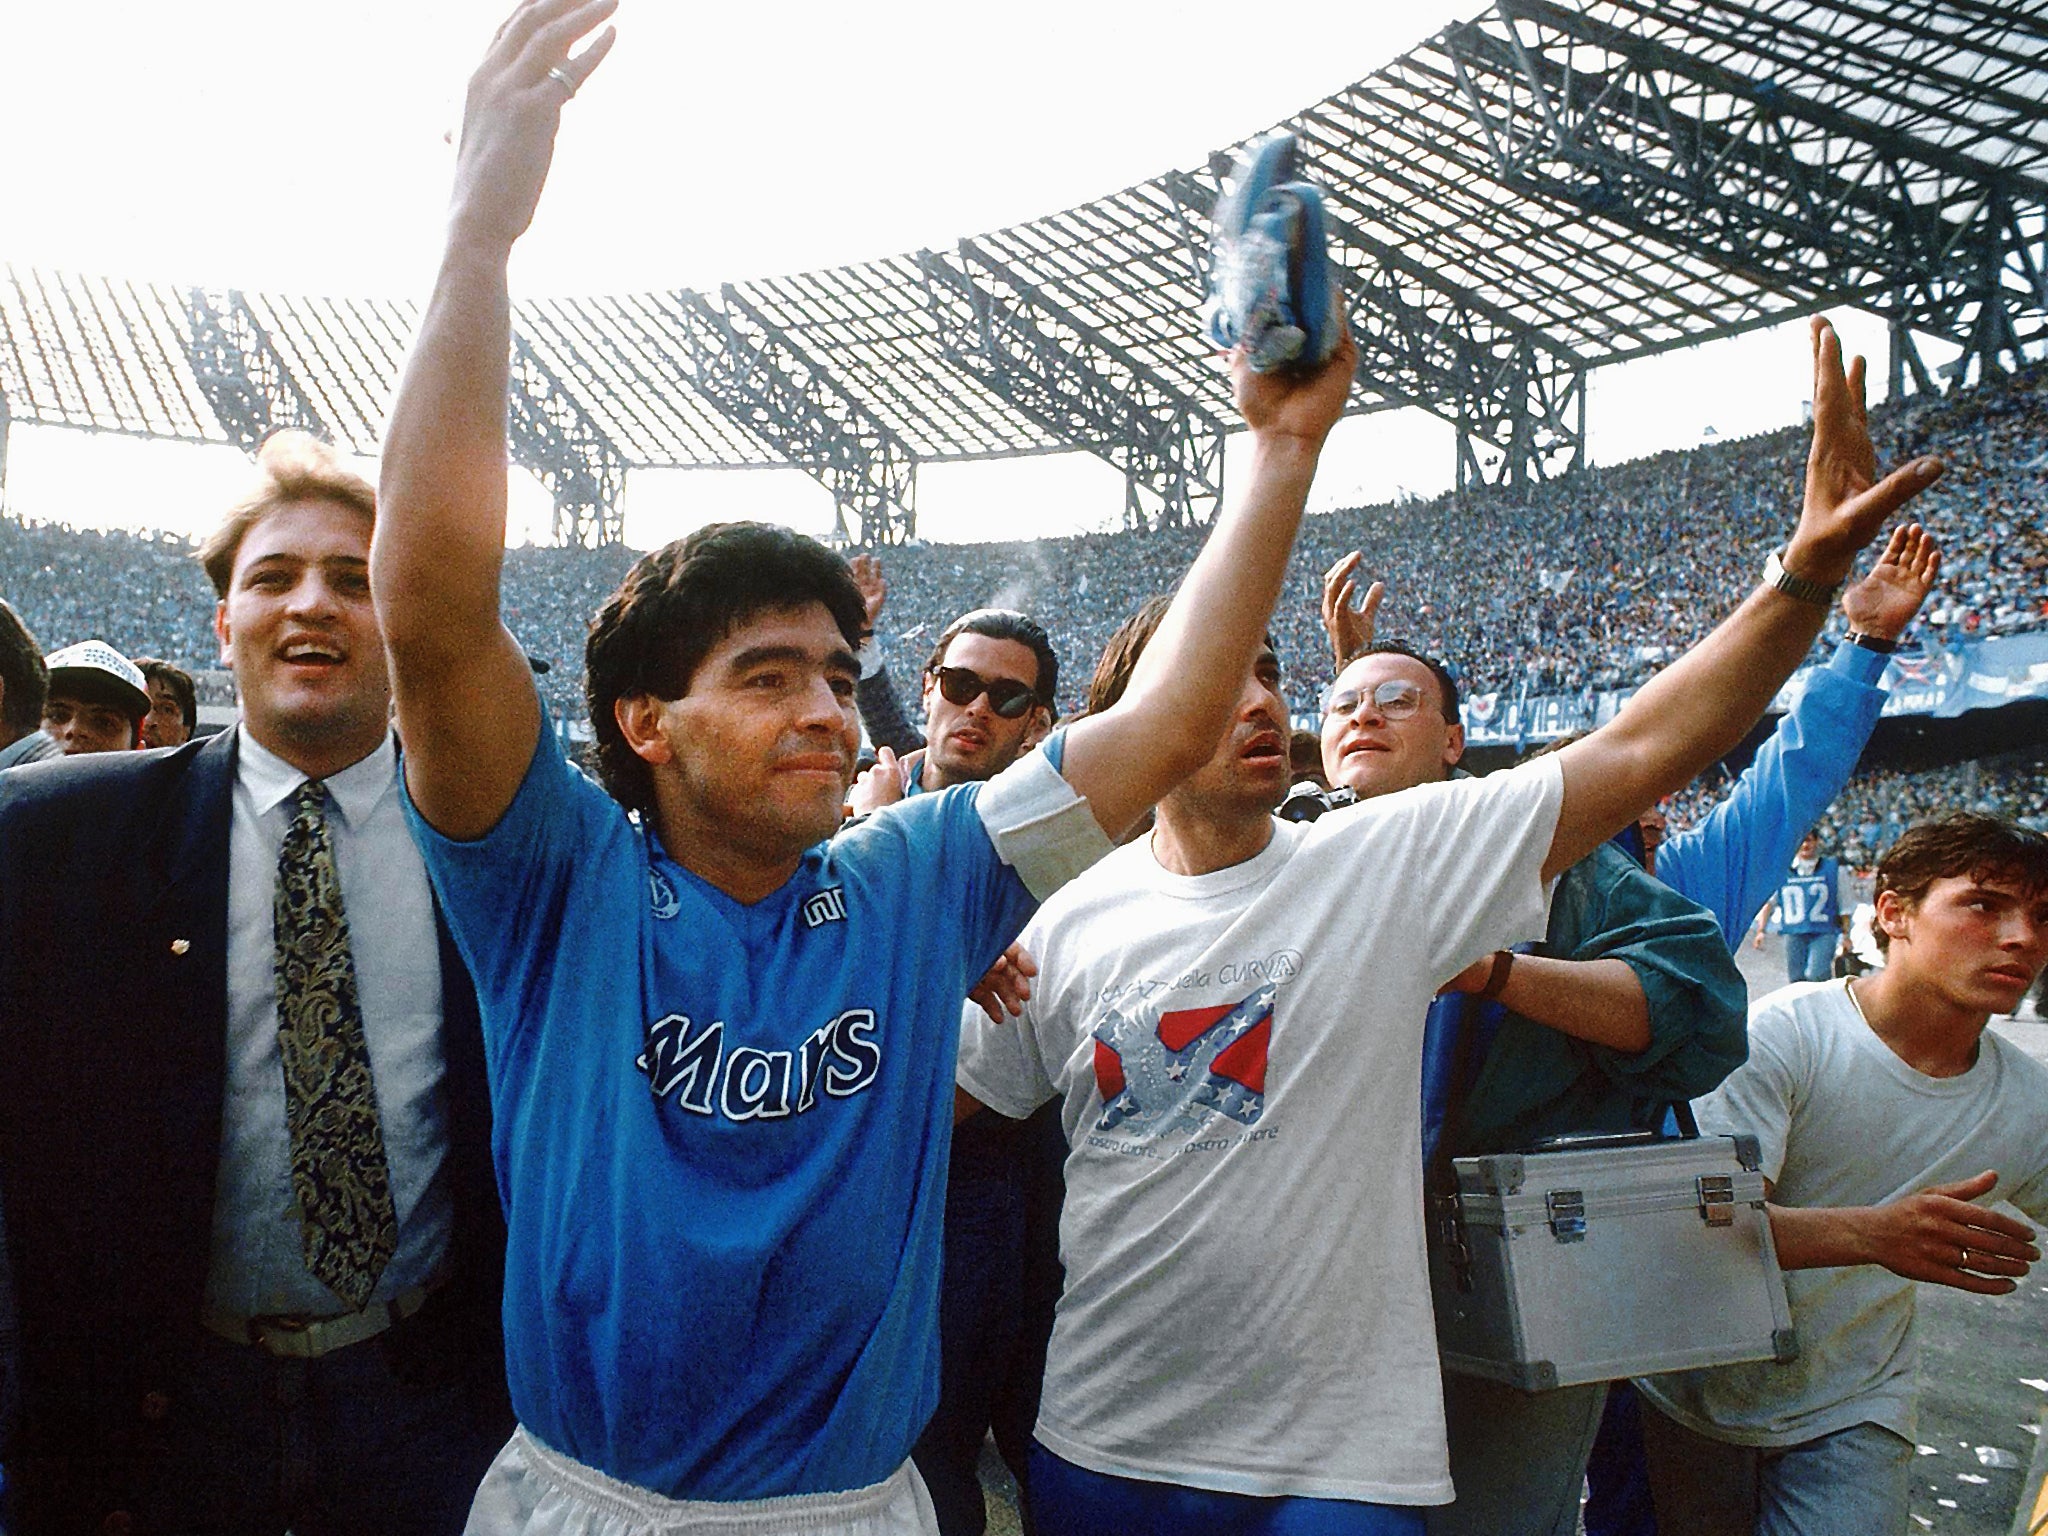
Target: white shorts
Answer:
[[534, 1491]]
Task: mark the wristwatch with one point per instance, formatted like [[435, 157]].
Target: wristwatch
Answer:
[[1873, 643], [1775, 575]]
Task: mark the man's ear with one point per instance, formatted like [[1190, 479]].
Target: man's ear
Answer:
[[1892, 913], [221, 633], [1039, 728], [639, 719], [1454, 746]]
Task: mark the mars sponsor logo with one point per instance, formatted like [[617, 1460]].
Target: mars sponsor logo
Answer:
[[694, 1067]]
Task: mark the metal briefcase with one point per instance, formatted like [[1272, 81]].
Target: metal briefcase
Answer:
[[1607, 1257]]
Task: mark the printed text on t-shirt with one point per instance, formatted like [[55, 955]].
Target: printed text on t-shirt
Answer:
[[745, 1083]]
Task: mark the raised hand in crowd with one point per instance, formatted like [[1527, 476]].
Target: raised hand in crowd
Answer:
[[1884, 602], [1700, 706], [1347, 621], [874, 591]]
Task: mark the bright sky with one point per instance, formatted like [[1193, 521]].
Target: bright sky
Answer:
[[299, 147]]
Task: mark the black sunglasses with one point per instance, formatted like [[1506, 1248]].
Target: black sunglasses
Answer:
[[1009, 698]]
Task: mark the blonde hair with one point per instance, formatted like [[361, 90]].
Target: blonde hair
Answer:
[[291, 466]]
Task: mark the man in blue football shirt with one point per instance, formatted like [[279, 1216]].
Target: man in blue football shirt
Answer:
[[721, 1045], [1808, 912]]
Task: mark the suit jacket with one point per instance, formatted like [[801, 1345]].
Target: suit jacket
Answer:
[[113, 1061]]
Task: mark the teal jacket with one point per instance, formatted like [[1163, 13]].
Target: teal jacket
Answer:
[[1535, 1081]]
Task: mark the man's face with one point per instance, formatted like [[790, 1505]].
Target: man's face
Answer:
[[1371, 752], [79, 726], [757, 755], [1249, 773], [164, 725], [299, 633], [1977, 943], [1809, 847], [968, 742]]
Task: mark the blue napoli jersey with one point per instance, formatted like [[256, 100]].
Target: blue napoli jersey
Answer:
[[721, 1130], [1806, 903]]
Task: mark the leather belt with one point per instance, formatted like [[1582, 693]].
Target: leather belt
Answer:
[[295, 1336]]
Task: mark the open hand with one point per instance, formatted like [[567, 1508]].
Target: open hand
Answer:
[[1845, 501], [1003, 992], [1883, 603], [1938, 1236], [1349, 623], [874, 591], [512, 111]]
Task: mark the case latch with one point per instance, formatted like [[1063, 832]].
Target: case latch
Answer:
[[1567, 1208], [1450, 1235], [1717, 1199]]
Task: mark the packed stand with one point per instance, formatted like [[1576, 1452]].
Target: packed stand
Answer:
[[1596, 582]]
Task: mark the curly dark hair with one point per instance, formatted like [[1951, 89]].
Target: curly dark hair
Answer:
[[652, 634]]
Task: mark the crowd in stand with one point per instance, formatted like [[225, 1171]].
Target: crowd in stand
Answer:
[[1589, 583]]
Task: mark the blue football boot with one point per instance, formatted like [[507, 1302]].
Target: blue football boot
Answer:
[[1271, 289]]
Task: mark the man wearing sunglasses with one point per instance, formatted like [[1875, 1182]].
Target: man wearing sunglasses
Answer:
[[989, 686], [988, 699], [1226, 1014]]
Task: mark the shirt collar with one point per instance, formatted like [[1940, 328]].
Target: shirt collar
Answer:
[[355, 790]]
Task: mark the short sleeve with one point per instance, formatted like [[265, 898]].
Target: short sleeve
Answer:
[[1761, 1095], [1001, 1064], [506, 894], [1040, 827], [1478, 853]]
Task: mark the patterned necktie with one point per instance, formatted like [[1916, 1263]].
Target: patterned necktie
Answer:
[[349, 1228]]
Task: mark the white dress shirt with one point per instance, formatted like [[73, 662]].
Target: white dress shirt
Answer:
[[258, 1266]]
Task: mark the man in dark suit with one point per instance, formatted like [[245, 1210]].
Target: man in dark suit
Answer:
[[244, 1138]]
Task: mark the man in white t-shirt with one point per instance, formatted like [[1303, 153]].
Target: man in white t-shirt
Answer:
[[1884, 1111], [1228, 1013]]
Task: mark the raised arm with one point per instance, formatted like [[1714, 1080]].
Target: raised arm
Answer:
[[1349, 623], [1733, 860], [1186, 683], [1701, 705], [467, 710]]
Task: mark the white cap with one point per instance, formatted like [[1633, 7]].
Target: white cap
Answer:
[[99, 660]]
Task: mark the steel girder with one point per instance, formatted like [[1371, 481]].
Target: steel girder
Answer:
[[241, 373], [1792, 194], [1516, 397], [551, 434], [1074, 382], [757, 376]]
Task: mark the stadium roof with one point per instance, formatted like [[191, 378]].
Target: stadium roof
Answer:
[[1541, 191]]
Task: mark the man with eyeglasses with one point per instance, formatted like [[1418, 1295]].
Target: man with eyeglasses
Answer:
[[1620, 945], [1631, 1003], [1226, 1014]]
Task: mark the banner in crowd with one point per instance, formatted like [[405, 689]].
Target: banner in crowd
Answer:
[[1941, 682]]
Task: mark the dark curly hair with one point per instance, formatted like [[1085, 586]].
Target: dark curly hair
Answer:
[[675, 604]]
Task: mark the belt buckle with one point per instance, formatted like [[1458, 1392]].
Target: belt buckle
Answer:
[[283, 1333]]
